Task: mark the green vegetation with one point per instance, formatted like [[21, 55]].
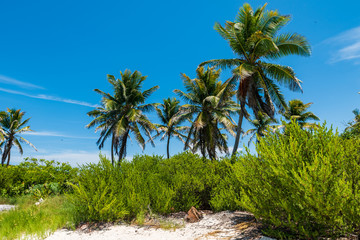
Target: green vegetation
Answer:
[[353, 127], [11, 125], [170, 126], [297, 111], [210, 104], [303, 184], [261, 125], [39, 178], [254, 38], [123, 113], [151, 183], [37, 221]]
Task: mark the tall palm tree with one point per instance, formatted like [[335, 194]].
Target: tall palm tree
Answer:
[[254, 38], [210, 105], [261, 125], [297, 111], [170, 122], [12, 126], [123, 112]]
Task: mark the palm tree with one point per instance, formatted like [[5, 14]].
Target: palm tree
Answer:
[[170, 122], [210, 104], [297, 111], [12, 126], [261, 127], [254, 38], [353, 127], [103, 118], [123, 112]]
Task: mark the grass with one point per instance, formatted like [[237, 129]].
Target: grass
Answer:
[[29, 220]]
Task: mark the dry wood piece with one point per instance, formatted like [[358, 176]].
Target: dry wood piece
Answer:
[[193, 215]]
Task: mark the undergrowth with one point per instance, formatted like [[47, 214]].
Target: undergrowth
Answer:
[[31, 221]]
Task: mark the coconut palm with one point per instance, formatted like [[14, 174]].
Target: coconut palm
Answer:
[[297, 111], [254, 38], [123, 113], [210, 105], [353, 127], [104, 116], [12, 125], [261, 127], [167, 112]]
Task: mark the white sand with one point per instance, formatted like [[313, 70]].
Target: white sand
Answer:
[[223, 225], [5, 207]]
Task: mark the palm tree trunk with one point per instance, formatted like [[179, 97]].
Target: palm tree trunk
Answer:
[[5, 154], [112, 150], [238, 133], [168, 146], [8, 161], [123, 146]]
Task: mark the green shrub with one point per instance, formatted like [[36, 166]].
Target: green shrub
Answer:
[[36, 222], [306, 182], [153, 184], [225, 193], [144, 186], [39, 177], [97, 195]]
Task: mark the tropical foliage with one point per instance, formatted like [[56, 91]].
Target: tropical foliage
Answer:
[[261, 127], [11, 126], [304, 181], [123, 113], [297, 111], [210, 104], [170, 123], [353, 127], [254, 38]]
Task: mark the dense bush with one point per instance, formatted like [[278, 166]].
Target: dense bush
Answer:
[[152, 183], [97, 193], [304, 182], [37, 177]]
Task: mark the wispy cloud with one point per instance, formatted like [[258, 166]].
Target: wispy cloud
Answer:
[[347, 44], [12, 81], [50, 98], [54, 134]]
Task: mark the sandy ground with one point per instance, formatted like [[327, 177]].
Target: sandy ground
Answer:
[[5, 207], [222, 225]]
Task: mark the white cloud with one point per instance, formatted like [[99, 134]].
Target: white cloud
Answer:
[[347, 44], [50, 98], [12, 81], [54, 134]]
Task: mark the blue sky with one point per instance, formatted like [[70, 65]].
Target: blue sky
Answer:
[[54, 53]]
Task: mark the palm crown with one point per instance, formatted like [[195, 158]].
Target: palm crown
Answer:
[[167, 112], [261, 126], [123, 113], [254, 38], [11, 125], [210, 105], [297, 111]]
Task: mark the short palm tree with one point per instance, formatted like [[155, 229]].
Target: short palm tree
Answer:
[[12, 125], [261, 126], [297, 111], [170, 123], [254, 38], [123, 112], [210, 105], [353, 127]]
